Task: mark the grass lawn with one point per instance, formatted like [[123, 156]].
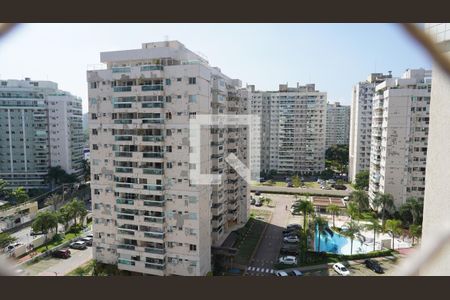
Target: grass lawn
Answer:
[[83, 270], [58, 240], [250, 234], [312, 185]]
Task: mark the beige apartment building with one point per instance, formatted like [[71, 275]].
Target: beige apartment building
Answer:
[[148, 216], [399, 141], [361, 124], [293, 128], [338, 124]]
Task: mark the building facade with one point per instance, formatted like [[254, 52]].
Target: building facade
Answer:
[[148, 216], [361, 124], [41, 127], [399, 142], [436, 212], [338, 124], [293, 128]]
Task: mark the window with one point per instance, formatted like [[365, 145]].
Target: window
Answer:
[[168, 81], [169, 165], [192, 98], [192, 247], [192, 115], [192, 80], [179, 79], [94, 116], [93, 85], [168, 148], [94, 147], [94, 131]]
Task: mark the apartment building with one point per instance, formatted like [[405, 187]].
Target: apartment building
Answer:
[[361, 123], [436, 221], [338, 124], [399, 142], [148, 216], [293, 130], [40, 127]]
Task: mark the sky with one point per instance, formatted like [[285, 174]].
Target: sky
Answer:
[[333, 56]]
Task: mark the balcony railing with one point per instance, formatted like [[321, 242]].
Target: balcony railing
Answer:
[[127, 247], [124, 170], [155, 250], [152, 138], [122, 89], [153, 187], [152, 234], [152, 68], [154, 87], [153, 121], [159, 220], [154, 203], [152, 105], [123, 138], [153, 171], [153, 154]]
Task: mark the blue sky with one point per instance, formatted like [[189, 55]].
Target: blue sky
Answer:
[[333, 56]]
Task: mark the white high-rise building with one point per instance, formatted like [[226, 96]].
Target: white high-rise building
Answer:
[[338, 124], [40, 127], [148, 216], [293, 130], [399, 140], [361, 124]]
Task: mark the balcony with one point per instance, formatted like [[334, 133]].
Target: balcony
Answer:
[[122, 121], [126, 247], [124, 201], [152, 138], [153, 155], [153, 121], [152, 68], [122, 89], [124, 170], [123, 154], [153, 187], [154, 203], [155, 235], [153, 171], [121, 70], [160, 251], [159, 220], [153, 105], [118, 138], [155, 87], [125, 232]]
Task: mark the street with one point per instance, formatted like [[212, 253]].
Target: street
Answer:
[[51, 266], [268, 251]]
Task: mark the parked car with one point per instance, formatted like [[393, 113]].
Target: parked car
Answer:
[[80, 245], [288, 260], [90, 235], [339, 187], [289, 184], [341, 269], [291, 239], [87, 240], [294, 226], [281, 273], [374, 266], [346, 198], [252, 201], [32, 233], [286, 250], [257, 193], [258, 203], [61, 253], [295, 273], [295, 212], [10, 248], [291, 233]]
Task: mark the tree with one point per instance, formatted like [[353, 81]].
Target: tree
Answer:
[[414, 208], [296, 182], [20, 195], [337, 157], [376, 227], [361, 199], [353, 229], [353, 210], [3, 191], [334, 210], [65, 214], [6, 239], [320, 223], [78, 210], [394, 229], [45, 221], [415, 231], [57, 175], [385, 202], [86, 170], [54, 200], [362, 180], [306, 208]]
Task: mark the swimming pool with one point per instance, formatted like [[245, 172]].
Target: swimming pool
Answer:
[[333, 242]]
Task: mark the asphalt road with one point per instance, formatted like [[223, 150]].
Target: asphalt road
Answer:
[[282, 189], [268, 251], [51, 266]]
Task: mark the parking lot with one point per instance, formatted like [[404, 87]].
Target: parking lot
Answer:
[[51, 266]]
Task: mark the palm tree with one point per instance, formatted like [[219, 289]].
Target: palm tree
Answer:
[[334, 210], [385, 202], [352, 210], [414, 207], [78, 210], [353, 229], [86, 170], [321, 224], [394, 228], [64, 216], [361, 199], [306, 208], [415, 231], [376, 227]]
